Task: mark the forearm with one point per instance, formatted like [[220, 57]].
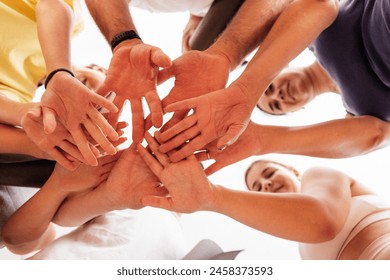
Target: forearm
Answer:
[[247, 29], [27, 229], [15, 141], [296, 27], [12, 111], [333, 139], [79, 209], [290, 215], [112, 17], [54, 21]]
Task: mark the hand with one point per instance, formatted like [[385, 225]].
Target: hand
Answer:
[[188, 187], [190, 28], [58, 145], [85, 176], [130, 180], [221, 115], [246, 145], [75, 106], [132, 74], [196, 73]]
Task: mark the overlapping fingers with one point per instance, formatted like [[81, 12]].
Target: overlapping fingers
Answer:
[[154, 147], [179, 127]]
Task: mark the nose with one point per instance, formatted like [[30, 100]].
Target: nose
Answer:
[[281, 95], [267, 186]]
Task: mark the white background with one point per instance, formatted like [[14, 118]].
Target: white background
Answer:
[[164, 31]]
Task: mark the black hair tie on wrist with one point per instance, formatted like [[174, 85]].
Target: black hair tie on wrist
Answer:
[[52, 73]]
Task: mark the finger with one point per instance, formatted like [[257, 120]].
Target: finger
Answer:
[[213, 168], [148, 122], [71, 151], [150, 161], [231, 136], [188, 149], [99, 137], [153, 145], [159, 58], [84, 147], [186, 104], [121, 125], [138, 120], [104, 125], [164, 75], [203, 156], [180, 139], [102, 102], [62, 160], [179, 127], [176, 117], [158, 202], [34, 113], [155, 107], [49, 120]]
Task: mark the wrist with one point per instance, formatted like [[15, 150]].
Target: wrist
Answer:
[[224, 57], [56, 73], [125, 38]]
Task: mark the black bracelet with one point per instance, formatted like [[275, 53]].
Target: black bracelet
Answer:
[[125, 35], [52, 73]]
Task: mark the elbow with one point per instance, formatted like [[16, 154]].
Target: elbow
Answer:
[[14, 246], [380, 133], [325, 231]]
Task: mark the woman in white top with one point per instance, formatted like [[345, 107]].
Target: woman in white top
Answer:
[[330, 214]]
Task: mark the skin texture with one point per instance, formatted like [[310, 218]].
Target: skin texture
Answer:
[[295, 25], [65, 97]]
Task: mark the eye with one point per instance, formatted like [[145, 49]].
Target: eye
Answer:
[[277, 106], [257, 187], [270, 174], [270, 89]]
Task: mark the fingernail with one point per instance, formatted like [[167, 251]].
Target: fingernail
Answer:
[[223, 147]]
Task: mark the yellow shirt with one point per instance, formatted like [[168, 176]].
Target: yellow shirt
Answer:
[[21, 60]]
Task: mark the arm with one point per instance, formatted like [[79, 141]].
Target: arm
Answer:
[[132, 73], [299, 24], [29, 228], [332, 139], [12, 112], [315, 215], [129, 180], [65, 97], [15, 141]]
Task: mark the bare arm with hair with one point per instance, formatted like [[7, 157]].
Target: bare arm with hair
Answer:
[[294, 29], [132, 73], [339, 138]]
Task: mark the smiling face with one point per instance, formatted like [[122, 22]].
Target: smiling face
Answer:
[[268, 176], [289, 92]]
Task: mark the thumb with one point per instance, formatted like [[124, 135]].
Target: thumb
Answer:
[[160, 59], [230, 136], [164, 75], [49, 120], [34, 113]]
